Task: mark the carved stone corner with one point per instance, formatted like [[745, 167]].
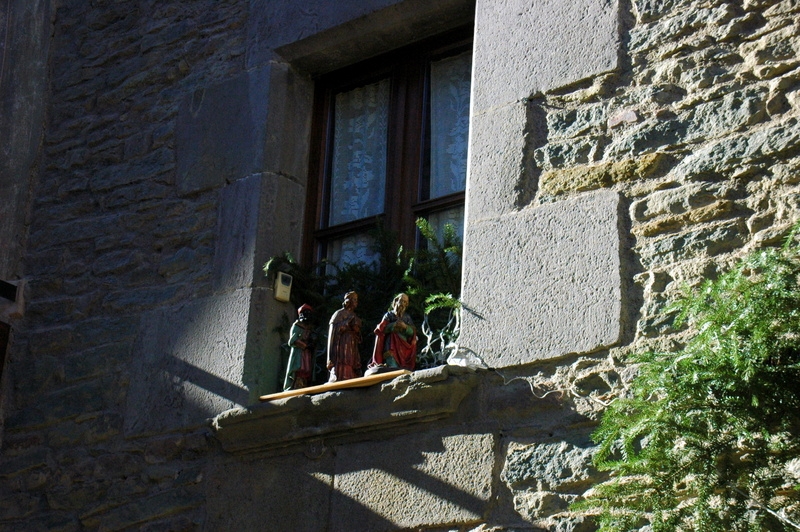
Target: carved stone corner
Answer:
[[350, 414]]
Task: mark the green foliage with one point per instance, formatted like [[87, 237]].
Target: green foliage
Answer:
[[436, 266], [433, 269], [703, 440]]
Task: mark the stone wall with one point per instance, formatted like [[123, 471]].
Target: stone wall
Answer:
[[698, 134], [110, 239], [174, 149]]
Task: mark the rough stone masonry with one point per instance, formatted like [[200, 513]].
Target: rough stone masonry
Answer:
[[158, 154]]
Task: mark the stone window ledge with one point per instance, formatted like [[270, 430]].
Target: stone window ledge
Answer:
[[350, 414]]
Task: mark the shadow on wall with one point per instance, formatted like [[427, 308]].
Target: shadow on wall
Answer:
[[413, 480], [482, 464], [195, 360], [187, 365]]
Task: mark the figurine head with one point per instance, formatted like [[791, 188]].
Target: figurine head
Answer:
[[400, 304], [304, 312], [350, 301]]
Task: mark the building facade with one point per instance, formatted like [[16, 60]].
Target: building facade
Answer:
[[156, 154]]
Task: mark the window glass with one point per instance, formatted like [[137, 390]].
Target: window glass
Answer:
[[449, 94], [358, 173], [453, 216], [352, 249], [390, 146]]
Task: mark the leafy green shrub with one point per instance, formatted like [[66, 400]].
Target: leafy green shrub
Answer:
[[708, 439]]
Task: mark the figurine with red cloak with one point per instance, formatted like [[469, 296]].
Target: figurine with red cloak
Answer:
[[396, 337]]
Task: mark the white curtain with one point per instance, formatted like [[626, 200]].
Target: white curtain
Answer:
[[352, 249], [358, 177], [450, 80]]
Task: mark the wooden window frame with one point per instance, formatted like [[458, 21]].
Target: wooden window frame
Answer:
[[408, 70]]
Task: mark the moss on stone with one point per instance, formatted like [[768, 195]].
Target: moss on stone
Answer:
[[717, 210], [585, 177]]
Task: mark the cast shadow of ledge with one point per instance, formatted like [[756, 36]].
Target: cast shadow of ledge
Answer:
[[418, 397]]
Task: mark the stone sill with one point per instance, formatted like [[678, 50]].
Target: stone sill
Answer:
[[349, 414]]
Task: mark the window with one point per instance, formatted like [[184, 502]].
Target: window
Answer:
[[390, 144]]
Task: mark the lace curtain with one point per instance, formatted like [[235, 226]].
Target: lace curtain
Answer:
[[450, 81], [352, 249], [358, 177]]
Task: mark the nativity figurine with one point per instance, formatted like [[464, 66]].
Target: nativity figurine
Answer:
[[301, 356], [344, 338], [396, 338]]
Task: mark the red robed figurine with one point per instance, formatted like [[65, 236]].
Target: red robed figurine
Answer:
[[396, 337]]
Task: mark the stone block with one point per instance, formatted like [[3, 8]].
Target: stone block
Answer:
[[676, 200], [570, 123], [262, 359], [721, 157], [237, 226], [706, 121], [568, 153], [782, 8], [497, 148], [555, 466], [733, 112], [35, 458], [259, 217], [647, 137], [20, 505], [26, 31], [67, 403], [281, 494], [777, 46], [188, 364], [221, 132], [715, 211], [648, 10], [582, 178], [280, 228], [291, 98], [544, 282], [425, 480], [49, 521], [668, 29], [525, 47], [141, 511], [719, 238], [545, 477]]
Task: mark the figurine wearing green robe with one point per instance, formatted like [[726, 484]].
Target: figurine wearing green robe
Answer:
[[301, 356]]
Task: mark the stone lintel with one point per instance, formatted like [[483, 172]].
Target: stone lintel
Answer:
[[336, 34]]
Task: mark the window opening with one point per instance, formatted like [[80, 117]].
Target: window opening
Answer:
[[391, 143]]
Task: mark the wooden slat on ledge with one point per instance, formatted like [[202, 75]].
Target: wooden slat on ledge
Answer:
[[339, 385]]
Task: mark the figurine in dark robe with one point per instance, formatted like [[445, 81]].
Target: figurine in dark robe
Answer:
[[396, 338], [344, 337], [301, 356]]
